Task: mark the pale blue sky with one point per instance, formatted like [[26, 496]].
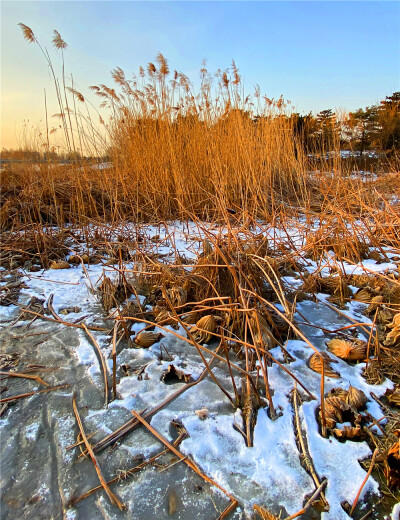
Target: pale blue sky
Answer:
[[317, 54]]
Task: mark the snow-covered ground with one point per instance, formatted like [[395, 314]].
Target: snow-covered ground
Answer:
[[269, 473]]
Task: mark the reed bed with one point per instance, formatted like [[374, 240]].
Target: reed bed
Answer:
[[173, 148]]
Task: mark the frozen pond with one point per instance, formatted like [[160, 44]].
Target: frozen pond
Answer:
[[40, 477]]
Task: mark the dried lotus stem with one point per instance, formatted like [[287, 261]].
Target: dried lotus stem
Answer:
[[113, 498], [38, 379], [114, 360], [364, 481], [263, 365], [249, 411], [102, 362], [304, 455]]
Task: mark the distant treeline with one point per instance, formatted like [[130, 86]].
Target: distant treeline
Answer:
[[372, 128], [23, 155]]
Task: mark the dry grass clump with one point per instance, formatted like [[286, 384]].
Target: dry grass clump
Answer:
[[33, 247], [235, 314], [181, 149], [336, 238], [229, 260], [213, 152], [386, 365], [216, 154], [335, 285], [112, 293], [387, 464], [172, 151], [55, 194]]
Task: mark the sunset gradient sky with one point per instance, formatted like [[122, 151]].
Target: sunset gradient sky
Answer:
[[317, 54]]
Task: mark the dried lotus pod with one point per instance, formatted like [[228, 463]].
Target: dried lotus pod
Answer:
[[384, 316], [334, 407], [177, 295], [191, 318], [376, 300], [393, 337], [59, 264], [338, 392], [75, 259], [358, 350], [146, 338], [261, 331], [206, 325], [339, 347], [365, 294], [164, 317], [331, 414], [348, 432], [356, 398], [316, 365], [396, 322], [350, 351]]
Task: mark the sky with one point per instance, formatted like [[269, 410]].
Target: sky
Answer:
[[335, 54]]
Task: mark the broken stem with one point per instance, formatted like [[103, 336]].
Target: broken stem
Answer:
[[187, 461], [113, 498], [28, 394], [364, 481]]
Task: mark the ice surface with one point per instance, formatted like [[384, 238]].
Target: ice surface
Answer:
[[269, 473], [396, 512]]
